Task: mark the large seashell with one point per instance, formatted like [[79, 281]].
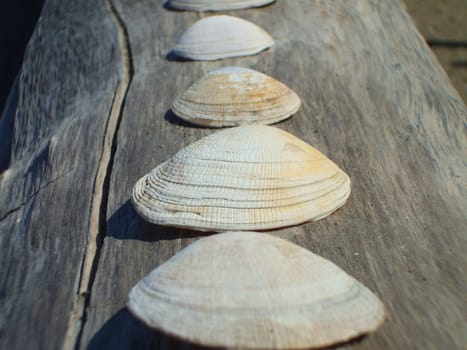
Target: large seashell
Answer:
[[252, 290], [232, 96], [243, 178], [219, 5], [217, 37]]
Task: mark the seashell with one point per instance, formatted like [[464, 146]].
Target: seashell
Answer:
[[252, 290], [251, 177], [217, 37], [232, 96], [219, 5]]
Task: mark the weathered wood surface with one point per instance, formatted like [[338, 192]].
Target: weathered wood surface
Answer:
[[92, 117]]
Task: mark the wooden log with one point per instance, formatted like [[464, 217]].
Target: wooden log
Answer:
[[93, 116], [66, 90]]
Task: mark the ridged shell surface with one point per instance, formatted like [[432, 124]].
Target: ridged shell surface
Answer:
[[232, 96], [245, 178], [216, 5], [252, 290], [218, 37]]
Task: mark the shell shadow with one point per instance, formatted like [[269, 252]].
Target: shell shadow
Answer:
[[166, 5], [172, 57], [172, 118], [126, 224], [124, 332], [345, 344]]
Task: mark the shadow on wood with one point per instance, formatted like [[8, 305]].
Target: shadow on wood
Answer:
[[123, 331], [126, 224], [169, 7], [172, 57], [172, 118]]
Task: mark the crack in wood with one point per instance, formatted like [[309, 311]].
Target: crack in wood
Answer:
[[98, 213], [34, 194]]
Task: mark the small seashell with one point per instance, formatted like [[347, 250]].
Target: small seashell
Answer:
[[218, 37], [219, 5], [232, 96], [251, 177], [252, 290]]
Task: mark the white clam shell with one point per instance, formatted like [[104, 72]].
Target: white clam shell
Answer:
[[232, 96], [218, 37], [245, 178], [252, 290], [216, 5]]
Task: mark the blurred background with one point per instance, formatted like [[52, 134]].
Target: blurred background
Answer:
[[17, 21], [443, 23]]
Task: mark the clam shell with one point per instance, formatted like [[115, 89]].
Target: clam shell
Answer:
[[252, 290], [232, 96], [218, 37], [219, 5], [251, 177]]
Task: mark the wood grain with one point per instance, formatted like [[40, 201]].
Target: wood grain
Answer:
[[65, 93], [375, 101]]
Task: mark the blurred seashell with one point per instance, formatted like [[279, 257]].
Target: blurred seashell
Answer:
[[218, 37], [233, 96], [252, 290], [216, 5], [245, 178]]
